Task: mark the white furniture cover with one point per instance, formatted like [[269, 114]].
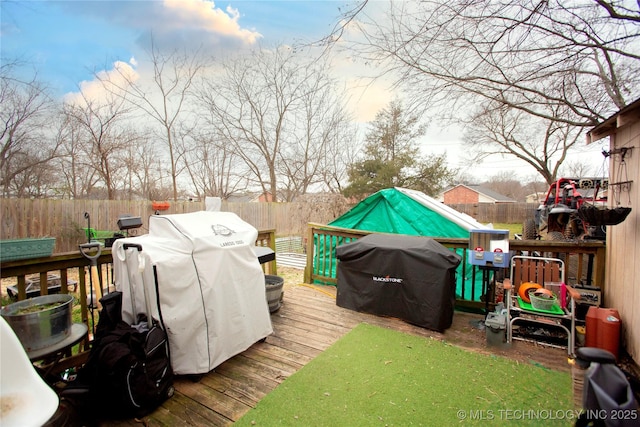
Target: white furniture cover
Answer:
[[212, 287]]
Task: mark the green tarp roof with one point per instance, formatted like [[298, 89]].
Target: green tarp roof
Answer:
[[403, 211]]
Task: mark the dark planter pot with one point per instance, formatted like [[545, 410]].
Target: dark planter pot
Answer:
[[274, 288]]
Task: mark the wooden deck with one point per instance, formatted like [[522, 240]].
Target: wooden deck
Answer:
[[307, 323]]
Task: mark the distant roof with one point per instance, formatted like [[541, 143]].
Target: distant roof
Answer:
[[486, 192], [492, 194], [609, 126]]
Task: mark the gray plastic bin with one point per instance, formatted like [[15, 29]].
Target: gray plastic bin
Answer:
[[496, 328]]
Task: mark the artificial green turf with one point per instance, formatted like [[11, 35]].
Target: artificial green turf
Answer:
[[378, 377]]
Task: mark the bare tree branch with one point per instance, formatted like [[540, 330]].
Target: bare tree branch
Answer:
[[569, 64], [25, 147], [165, 101], [279, 112]]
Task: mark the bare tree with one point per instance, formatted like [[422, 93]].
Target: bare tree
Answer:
[[142, 162], [250, 105], [317, 207], [321, 119], [280, 113], [339, 154], [214, 168], [77, 177], [578, 169], [576, 56], [165, 101], [566, 63], [506, 184], [35, 182], [542, 143], [25, 146], [104, 137]]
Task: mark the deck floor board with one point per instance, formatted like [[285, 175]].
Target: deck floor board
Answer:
[[308, 322]]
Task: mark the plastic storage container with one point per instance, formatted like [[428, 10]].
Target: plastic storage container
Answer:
[[559, 290], [603, 329], [543, 301], [489, 248], [496, 327], [18, 249]]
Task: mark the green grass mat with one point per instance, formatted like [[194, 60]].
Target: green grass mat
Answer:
[[379, 377]]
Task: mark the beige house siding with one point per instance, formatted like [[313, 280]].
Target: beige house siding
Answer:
[[622, 290], [484, 199], [622, 276]]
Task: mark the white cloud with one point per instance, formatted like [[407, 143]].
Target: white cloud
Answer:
[[369, 91], [94, 90], [368, 99], [203, 15]]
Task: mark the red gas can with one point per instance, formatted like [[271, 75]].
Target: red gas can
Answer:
[[591, 327], [603, 329]]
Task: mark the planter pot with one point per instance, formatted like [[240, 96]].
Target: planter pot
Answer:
[[275, 294], [17, 249], [41, 321]]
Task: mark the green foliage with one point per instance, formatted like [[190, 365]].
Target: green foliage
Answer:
[[431, 176], [391, 157]]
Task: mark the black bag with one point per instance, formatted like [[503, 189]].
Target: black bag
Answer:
[[128, 372]]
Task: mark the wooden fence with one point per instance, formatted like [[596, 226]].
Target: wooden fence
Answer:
[[505, 213], [65, 220]]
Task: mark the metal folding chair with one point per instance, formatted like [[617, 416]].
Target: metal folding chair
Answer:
[[540, 270]]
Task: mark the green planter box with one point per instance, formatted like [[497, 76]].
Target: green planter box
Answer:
[[16, 249]]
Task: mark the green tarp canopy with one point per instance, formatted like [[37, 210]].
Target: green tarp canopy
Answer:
[[404, 211]]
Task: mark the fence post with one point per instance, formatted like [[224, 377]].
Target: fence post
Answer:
[[309, 266]]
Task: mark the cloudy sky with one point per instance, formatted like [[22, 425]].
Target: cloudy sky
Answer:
[[68, 42]]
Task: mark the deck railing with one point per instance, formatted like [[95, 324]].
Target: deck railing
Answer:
[[584, 261], [74, 264]]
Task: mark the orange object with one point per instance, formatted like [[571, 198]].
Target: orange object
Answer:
[[526, 288], [160, 206], [603, 329]]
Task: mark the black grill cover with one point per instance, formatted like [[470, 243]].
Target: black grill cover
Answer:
[[409, 277]]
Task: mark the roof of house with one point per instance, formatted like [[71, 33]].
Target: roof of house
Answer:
[[622, 117], [485, 192]]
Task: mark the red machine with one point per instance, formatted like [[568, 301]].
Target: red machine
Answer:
[[562, 213]]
